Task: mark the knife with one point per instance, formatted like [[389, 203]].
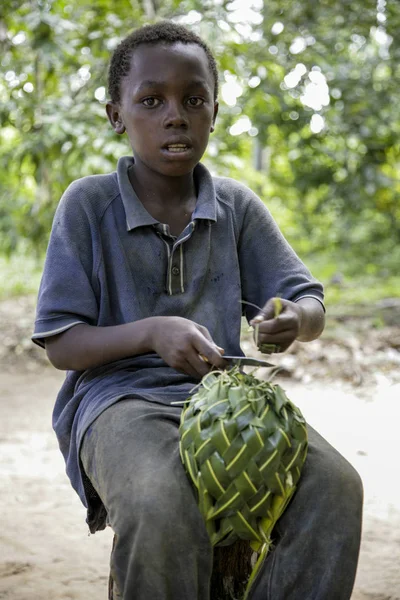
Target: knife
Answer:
[[245, 361]]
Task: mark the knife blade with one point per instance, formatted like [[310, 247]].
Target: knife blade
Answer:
[[247, 361]]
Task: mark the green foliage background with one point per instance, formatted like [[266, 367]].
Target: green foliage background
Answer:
[[335, 192]]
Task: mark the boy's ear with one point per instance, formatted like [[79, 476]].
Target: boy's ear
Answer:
[[216, 106], [114, 116]]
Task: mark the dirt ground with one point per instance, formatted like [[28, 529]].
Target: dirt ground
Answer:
[[45, 550]]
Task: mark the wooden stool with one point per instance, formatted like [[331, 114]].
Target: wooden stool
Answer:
[[232, 567], [231, 571]]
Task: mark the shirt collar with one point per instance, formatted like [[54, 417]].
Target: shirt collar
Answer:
[[135, 212], [206, 205], [137, 215]]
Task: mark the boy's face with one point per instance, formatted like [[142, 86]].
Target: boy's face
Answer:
[[167, 107]]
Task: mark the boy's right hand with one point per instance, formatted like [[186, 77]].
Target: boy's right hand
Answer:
[[182, 344]]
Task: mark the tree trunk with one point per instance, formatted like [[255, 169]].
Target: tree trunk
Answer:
[[231, 571], [149, 9]]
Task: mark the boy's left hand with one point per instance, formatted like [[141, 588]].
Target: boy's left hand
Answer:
[[280, 329]]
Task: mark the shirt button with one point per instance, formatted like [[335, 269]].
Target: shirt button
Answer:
[[175, 270]]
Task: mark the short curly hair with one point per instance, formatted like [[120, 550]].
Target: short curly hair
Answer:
[[162, 32]]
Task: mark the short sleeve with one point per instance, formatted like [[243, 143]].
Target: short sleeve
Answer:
[[268, 264], [67, 294]]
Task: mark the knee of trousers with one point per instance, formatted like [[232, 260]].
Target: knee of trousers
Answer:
[[334, 482], [159, 506]]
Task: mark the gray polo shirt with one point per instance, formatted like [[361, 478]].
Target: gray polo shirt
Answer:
[[110, 262]]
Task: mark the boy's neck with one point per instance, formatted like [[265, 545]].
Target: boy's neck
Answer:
[[155, 189]]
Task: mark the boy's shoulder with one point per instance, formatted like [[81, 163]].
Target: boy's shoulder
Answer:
[[226, 186], [236, 194], [93, 192]]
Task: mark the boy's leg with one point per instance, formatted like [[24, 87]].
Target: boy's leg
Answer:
[[162, 550], [318, 536]]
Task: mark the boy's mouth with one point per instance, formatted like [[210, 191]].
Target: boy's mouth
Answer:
[[179, 146], [176, 148]]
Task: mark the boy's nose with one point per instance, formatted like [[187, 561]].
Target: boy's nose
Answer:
[[175, 117]]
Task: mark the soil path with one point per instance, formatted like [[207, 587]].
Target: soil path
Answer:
[[45, 551]]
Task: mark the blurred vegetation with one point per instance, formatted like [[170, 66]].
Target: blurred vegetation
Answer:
[[20, 274], [309, 119]]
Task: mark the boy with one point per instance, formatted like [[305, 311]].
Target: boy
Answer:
[[145, 274]]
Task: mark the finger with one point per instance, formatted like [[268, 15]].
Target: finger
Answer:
[[221, 366], [204, 331], [199, 366], [267, 312], [278, 325], [272, 309], [283, 339], [197, 372], [211, 355], [219, 363]]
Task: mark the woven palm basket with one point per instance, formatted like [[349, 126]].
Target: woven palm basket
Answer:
[[243, 444]]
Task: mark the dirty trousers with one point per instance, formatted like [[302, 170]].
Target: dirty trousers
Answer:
[[162, 551]]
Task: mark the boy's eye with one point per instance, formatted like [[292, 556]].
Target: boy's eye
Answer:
[[195, 101], [151, 102]]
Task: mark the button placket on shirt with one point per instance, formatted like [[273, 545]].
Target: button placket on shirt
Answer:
[[175, 268]]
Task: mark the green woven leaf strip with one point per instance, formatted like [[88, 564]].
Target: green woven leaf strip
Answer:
[[243, 444]]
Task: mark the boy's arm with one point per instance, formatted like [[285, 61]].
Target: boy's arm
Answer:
[[303, 320], [178, 341]]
